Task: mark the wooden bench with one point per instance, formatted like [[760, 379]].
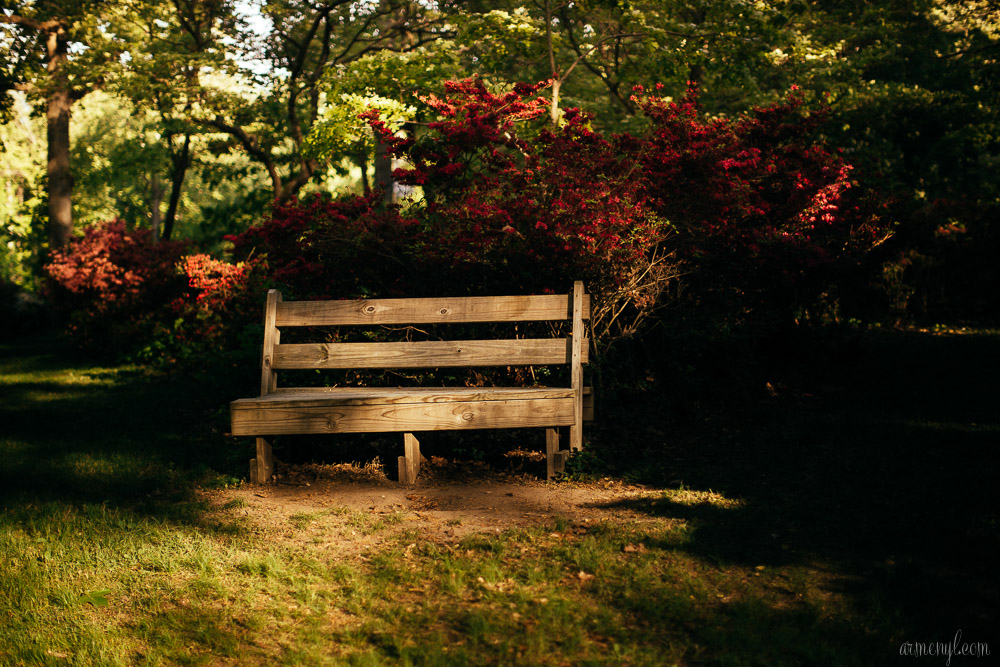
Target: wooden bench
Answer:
[[311, 410]]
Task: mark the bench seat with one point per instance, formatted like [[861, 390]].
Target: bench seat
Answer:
[[400, 409]]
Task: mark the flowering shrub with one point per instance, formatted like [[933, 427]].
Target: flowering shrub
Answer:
[[566, 205], [112, 265], [498, 214], [207, 316], [753, 211], [740, 220], [114, 283], [123, 293], [324, 248], [764, 212], [747, 218]]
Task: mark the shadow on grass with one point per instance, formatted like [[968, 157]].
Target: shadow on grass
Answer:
[[74, 432], [880, 460]]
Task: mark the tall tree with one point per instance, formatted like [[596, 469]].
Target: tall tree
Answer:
[[172, 47], [15, 48], [307, 39], [596, 50], [56, 80]]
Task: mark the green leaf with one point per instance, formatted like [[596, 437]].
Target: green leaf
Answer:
[[96, 598]]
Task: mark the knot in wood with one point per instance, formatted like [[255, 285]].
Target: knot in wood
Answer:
[[468, 416], [369, 309], [444, 311]]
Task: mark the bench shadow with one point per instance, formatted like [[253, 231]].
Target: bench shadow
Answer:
[[882, 467]]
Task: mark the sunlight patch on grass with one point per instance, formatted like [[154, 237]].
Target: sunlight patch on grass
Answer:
[[192, 592], [100, 567], [690, 497], [49, 396], [35, 370]]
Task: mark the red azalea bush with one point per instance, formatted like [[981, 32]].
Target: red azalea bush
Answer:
[[746, 220], [766, 215], [504, 213], [220, 302], [739, 220], [114, 284], [122, 293], [325, 248], [498, 213]]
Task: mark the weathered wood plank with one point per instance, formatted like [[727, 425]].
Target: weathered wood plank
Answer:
[[551, 448], [268, 378], [409, 464], [330, 396], [428, 311], [320, 396], [264, 462], [262, 419], [576, 370], [426, 354]]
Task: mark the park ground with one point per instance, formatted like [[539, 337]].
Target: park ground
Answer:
[[832, 503]]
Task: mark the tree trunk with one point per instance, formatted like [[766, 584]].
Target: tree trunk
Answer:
[[554, 110], [383, 172], [362, 160], [181, 164], [556, 80], [157, 198], [60, 180]]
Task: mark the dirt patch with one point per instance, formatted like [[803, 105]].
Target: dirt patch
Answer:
[[449, 502]]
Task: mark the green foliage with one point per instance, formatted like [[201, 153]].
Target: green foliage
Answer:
[[115, 153], [118, 150], [911, 86], [89, 25], [21, 196], [913, 91], [15, 47], [502, 41], [341, 131]]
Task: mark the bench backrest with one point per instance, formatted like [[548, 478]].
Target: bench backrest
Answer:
[[574, 307]]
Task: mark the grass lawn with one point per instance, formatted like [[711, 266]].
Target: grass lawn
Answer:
[[845, 508]]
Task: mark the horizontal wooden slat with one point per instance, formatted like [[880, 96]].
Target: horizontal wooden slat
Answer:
[[330, 396], [425, 354], [428, 311], [333, 396], [260, 419]]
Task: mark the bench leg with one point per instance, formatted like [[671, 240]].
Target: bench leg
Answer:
[[576, 437], [409, 465], [555, 457], [262, 467]]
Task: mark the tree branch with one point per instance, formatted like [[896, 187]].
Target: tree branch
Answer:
[[250, 145], [583, 56], [41, 26], [612, 86]]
